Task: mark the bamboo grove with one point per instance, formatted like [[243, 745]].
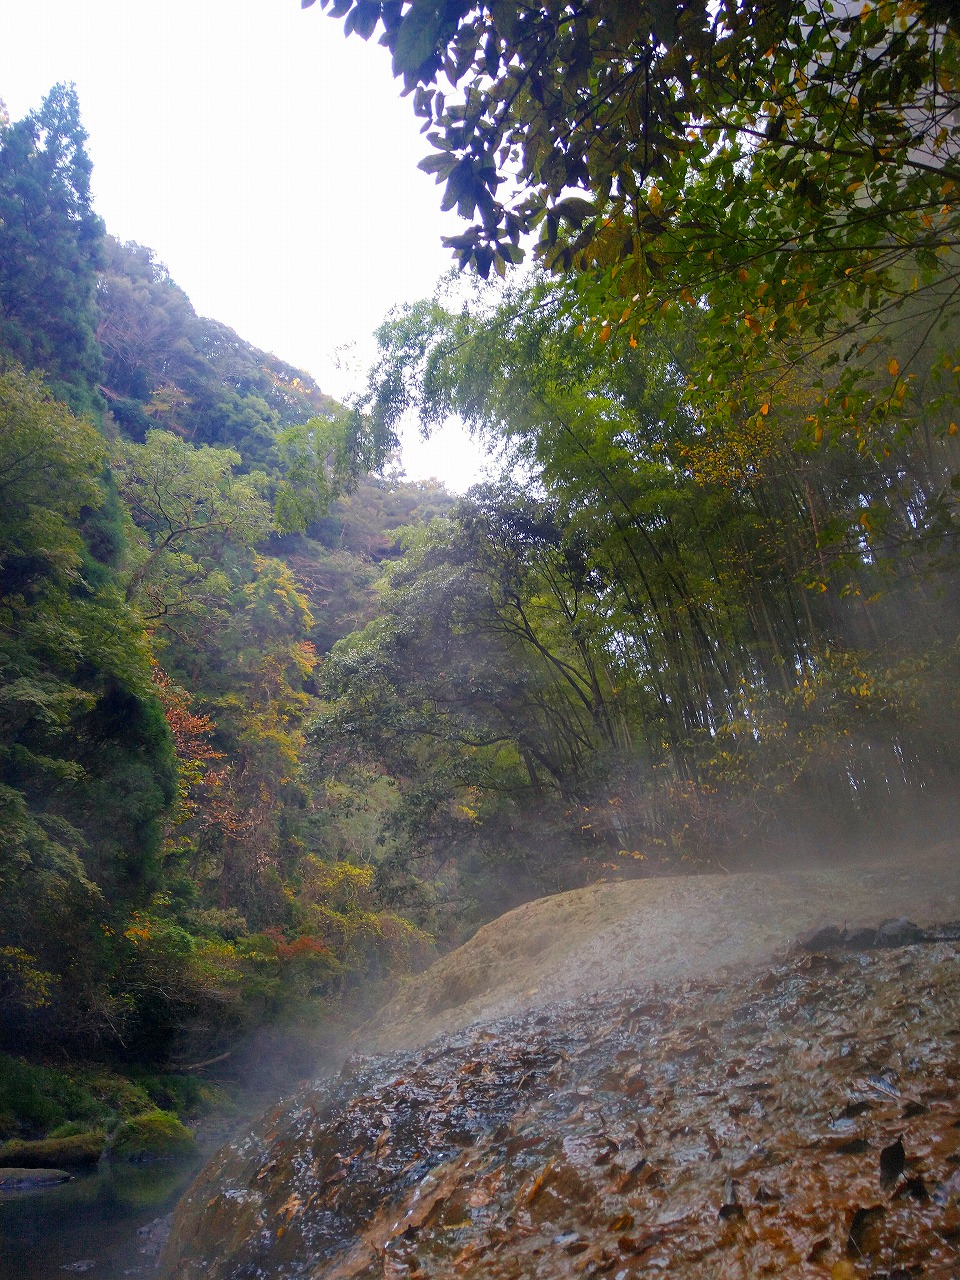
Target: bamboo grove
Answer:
[[673, 641], [721, 578]]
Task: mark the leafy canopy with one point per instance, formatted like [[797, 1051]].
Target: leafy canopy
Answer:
[[187, 506], [604, 96], [790, 166]]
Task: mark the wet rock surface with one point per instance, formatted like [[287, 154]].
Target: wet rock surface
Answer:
[[899, 932], [803, 1120]]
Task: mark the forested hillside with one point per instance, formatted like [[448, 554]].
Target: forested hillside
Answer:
[[187, 525]]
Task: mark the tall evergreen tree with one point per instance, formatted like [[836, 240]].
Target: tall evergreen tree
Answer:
[[50, 249]]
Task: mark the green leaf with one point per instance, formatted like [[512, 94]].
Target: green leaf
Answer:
[[440, 163], [576, 210], [417, 38], [363, 19]]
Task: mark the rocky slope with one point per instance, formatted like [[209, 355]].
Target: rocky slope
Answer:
[[741, 1124], [637, 933]]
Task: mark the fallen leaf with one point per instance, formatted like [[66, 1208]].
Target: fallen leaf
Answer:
[[892, 1163], [861, 1239]]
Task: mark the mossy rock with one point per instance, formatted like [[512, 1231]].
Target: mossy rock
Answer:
[[54, 1153], [146, 1184], [154, 1135], [69, 1129]]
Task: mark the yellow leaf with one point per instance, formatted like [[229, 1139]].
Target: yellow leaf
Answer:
[[818, 434], [605, 333], [953, 428], [633, 343], [893, 368], [765, 409]]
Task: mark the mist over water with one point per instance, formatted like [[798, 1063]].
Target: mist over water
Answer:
[[113, 1222]]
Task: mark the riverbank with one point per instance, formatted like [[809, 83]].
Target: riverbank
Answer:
[[112, 1217], [110, 1220]]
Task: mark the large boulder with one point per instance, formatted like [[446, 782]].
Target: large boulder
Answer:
[[153, 1135], [628, 1080], [800, 1121]]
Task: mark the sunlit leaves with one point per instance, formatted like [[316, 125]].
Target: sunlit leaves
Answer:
[[50, 468], [316, 465]]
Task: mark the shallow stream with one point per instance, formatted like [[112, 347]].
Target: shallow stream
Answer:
[[107, 1224]]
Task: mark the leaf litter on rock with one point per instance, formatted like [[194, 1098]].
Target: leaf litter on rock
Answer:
[[739, 1190]]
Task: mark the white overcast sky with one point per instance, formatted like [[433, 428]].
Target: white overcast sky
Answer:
[[268, 160]]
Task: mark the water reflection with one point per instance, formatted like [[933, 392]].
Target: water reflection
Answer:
[[104, 1224]]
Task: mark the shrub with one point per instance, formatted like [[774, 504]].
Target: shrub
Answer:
[[157, 1135]]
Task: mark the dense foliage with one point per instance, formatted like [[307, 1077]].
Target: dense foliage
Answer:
[[718, 603], [676, 642], [50, 249], [783, 176], [87, 767], [164, 885], [259, 740]]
